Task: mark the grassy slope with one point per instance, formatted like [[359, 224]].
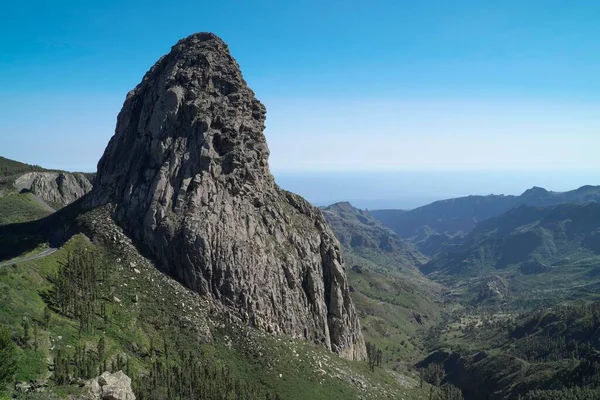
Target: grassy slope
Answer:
[[396, 304], [389, 305], [16, 208], [293, 369]]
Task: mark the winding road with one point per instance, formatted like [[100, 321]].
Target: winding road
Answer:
[[44, 253]]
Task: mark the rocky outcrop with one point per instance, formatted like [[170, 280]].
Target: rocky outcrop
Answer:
[[492, 289], [57, 189], [109, 386], [187, 172], [360, 233]]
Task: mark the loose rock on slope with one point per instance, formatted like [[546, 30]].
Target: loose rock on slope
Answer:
[[187, 171]]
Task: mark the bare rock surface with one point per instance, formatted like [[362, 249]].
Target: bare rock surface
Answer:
[[56, 189], [109, 386], [187, 173]]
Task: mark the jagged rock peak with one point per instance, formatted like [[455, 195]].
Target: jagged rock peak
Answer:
[[187, 171], [195, 94]]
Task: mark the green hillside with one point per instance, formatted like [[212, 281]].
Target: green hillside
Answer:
[[545, 255], [544, 354], [98, 305], [432, 226], [15, 208], [396, 303], [10, 167], [366, 237]]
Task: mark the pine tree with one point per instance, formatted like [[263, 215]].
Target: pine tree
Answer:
[[433, 373], [100, 348], [374, 355], [35, 336], [46, 318], [8, 361], [26, 335]]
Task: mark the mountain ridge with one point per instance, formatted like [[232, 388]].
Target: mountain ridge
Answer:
[[450, 217], [551, 250]]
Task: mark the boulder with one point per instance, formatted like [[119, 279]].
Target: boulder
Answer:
[[109, 386]]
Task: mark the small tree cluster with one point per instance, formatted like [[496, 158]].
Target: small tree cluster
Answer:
[[450, 392], [25, 334], [576, 393], [374, 356], [187, 377], [76, 289], [86, 363], [432, 374], [81, 363]]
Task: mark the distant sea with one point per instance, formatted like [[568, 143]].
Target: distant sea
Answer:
[[411, 189]]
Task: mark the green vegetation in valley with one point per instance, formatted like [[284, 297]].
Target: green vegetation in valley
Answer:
[[488, 341], [546, 352]]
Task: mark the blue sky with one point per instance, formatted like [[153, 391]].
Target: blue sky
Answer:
[[431, 85]]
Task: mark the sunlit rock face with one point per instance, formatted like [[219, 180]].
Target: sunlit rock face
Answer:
[[187, 171]]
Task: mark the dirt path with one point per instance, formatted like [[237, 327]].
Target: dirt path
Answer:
[[44, 253]]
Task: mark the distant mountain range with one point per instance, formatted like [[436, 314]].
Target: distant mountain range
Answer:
[[544, 254], [534, 239], [431, 225]]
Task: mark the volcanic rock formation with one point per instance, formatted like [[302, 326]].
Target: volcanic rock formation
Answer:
[[187, 171], [58, 189]]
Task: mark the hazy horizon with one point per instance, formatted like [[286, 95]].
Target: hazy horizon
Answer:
[[411, 189]]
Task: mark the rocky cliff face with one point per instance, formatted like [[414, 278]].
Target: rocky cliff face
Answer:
[[57, 189], [188, 173], [362, 234]]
